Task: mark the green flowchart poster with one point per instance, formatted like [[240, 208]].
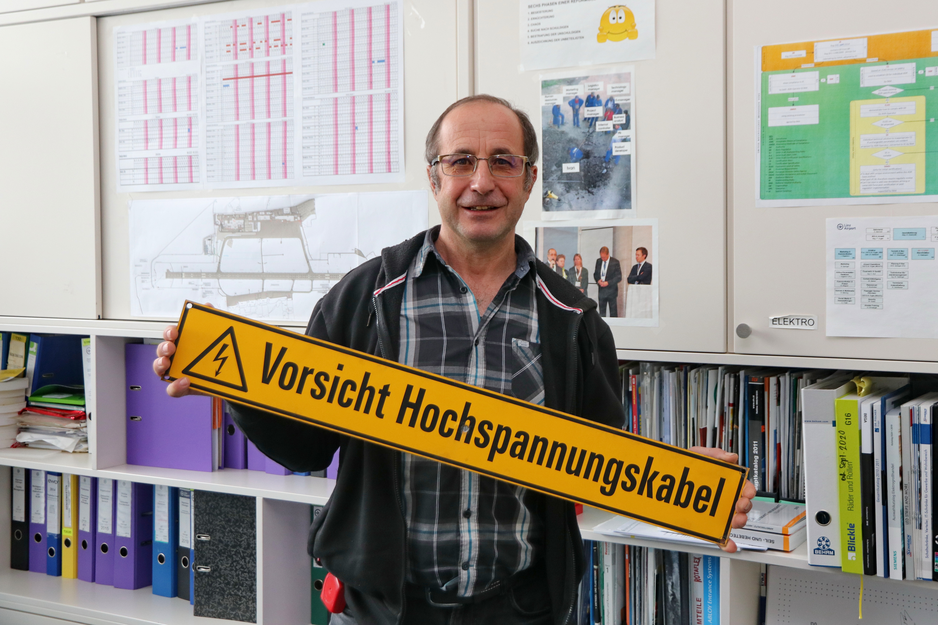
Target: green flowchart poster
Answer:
[[849, 121]]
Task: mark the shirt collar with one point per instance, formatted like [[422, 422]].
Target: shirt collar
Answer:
[[523, 251]]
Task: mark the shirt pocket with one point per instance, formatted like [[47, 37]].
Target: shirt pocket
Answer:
[[527, 378]]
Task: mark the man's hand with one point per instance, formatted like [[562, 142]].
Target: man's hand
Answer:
[[743, 504], [176, 388]]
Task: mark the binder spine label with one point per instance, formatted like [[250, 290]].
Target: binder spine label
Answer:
[[52, 504], [124, 508], [19, 494], [105, 495], [38, 505], [67, 503], [84, 504], [185, 522], [161, 514]]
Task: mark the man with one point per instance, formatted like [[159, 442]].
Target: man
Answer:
[[561, 261], [607, 275], [558, 115], [576, 104], [578, 276], [413, 540], [641, 271], [552, 259]]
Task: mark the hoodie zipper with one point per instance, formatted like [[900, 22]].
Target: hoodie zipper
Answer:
[[571, 408], [397, 465]]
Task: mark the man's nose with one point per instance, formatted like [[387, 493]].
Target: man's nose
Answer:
[[482, 179]]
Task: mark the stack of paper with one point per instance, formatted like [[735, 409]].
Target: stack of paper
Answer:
[[52, 428], [12, 400], [630, 528], [777, 526]]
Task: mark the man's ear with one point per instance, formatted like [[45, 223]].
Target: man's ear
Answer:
[[433, 187]]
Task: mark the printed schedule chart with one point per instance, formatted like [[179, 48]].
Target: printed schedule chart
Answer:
[[158, 107], [298, 94], [249, 99], [351, 92]]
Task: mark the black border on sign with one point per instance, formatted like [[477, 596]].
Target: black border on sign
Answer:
[[237, 355], [743, 471]]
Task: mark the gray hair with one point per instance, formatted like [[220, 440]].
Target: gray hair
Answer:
[[528, 133]]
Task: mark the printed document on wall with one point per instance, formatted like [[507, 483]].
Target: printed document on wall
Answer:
[[848, 121], [585, 32], [278, 96], [882, 277], [158, 97], [588, 148], [269, 258]]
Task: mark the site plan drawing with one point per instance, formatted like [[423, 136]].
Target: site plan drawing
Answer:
[[849, 121], [270, 258], [882, 277], [297, 94]]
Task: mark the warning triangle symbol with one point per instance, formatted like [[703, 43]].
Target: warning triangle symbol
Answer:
[[220, 363]]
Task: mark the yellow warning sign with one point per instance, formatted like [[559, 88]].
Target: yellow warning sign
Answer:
[[210, 364], [386, 403]]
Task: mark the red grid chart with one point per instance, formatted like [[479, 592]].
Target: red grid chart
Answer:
[[158, 45], [351, 110], [249, 37], [158, 125], [249, 99]]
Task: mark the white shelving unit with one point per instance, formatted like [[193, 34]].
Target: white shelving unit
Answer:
[[694, 176]]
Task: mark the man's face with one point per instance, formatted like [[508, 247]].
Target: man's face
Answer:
[[577, 262], [604, 254], [561, 262], [639, 257], [551, 255], [480, 209]]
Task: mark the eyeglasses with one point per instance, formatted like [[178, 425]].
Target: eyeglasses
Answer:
[[463, 165]]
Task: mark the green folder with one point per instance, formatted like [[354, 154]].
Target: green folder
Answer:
[[59, 396]]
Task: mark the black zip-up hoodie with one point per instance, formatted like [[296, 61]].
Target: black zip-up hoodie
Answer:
[[360, 536]]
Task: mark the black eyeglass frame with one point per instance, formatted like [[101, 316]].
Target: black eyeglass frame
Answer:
[[475, 164]]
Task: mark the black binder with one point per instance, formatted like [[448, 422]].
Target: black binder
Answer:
[[184, 546], [19, 526], [225, 560]]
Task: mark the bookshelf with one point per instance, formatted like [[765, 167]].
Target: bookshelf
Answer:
[[703, 220]]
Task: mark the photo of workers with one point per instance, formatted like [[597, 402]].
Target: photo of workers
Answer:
[[588, 146], [612, 262]]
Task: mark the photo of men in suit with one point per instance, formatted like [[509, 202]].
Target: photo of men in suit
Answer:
[[624, 295], [641, 270], [607, 275], [552, 259]]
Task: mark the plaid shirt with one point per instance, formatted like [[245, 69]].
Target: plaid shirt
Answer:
[[465, 530]]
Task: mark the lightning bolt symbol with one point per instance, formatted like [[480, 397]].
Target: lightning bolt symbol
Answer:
[[219, 358]]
